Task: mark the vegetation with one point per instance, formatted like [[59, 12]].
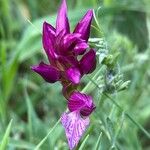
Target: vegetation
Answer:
[[30, 108]]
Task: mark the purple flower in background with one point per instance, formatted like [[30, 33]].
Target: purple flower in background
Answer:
[[63, 48], [70, 58]]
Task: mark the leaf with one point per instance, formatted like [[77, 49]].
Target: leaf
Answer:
[[31, 115], [84, 142], [20, 144], [4, 142], [98, 143], [110, 128], [46, 137]]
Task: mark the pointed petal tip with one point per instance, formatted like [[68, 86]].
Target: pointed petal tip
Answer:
[[89, 13], [62, 22], [83, 27], [45, 23]]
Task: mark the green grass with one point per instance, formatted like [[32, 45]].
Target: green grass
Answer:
[[121, 120]]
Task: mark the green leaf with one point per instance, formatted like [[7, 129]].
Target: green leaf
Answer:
[[46, 137], [20, 144], [98, 143], [84, 142], [5, 140], [110, 128]]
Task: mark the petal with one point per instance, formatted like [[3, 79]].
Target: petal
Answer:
[[70, 39], [67, 61], [48, 38], [80, 48], [62, 22], [74, 75], [83, 27], [49, 73], [58, 41], [88, 62], [65, 41], [81, 102], [75, 126]]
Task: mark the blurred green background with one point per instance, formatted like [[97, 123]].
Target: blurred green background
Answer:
[[35, 106]]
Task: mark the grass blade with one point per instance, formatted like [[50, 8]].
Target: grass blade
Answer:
[[98, 142], [5, 139], [45, 138], [83, 143]]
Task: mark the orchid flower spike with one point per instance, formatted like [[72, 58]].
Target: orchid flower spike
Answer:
[[70, 58]]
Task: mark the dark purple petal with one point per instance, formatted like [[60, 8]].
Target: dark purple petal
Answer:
[[58, 41], [49, 73], [81, 102], [69, 40], [88, 62], [74, 75], [68, 61], [80, 48], [75, 126], [62, 22], [72, 60], [48, 39], [83, 27]]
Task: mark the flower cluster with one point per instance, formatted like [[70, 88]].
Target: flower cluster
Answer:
[[70, 59]]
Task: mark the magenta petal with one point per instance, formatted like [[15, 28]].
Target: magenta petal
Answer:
[[81, 102], [83, 27], [62, 22], [48, 38], [88, 62], [68, 61], [49, 73], [80, 48], [74, 75], [70, 39], [75, 126], [58, 42]]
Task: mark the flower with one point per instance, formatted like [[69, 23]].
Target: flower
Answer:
[[63, 48], [82, 103], [70, 58], [77, 120]]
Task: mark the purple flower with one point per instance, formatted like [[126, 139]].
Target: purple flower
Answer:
[[76, 122], [82, 103], [63, 48], [70, 58]]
